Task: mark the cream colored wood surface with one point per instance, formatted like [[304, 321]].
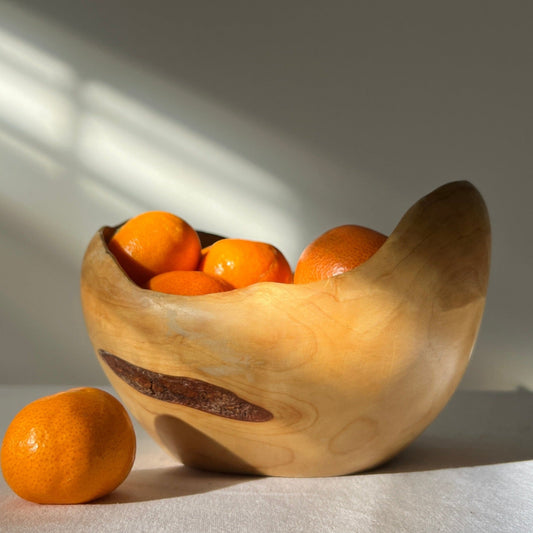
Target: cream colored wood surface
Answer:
[[351, 369]]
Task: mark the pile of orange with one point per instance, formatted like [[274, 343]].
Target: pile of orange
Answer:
[[162, 252]]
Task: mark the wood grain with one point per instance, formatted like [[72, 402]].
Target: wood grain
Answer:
[[351, 369]]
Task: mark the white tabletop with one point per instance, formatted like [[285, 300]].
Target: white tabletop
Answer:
[[470, 471]]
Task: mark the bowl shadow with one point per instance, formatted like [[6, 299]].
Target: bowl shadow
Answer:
[[476, 428], [195, 449], [169, 482]]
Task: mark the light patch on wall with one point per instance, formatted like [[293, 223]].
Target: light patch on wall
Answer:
[[108, 156], [143, 154], [35, 92], [35, 109], [34, 61], [30, 156], [108, 200], [100, 99]]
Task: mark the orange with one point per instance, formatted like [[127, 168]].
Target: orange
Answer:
[[241, 262], [155, 242], [70, 447], [336, 251], [187, 283]]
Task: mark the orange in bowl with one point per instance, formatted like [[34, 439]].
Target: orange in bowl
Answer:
[[155, 242], [187, 283], [336, 251], [243, 262]]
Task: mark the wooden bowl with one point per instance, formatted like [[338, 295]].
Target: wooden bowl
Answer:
[[322, 379]]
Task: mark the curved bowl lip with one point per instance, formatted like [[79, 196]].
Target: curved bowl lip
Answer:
[[357, 277]]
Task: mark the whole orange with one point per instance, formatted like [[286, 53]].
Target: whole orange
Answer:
[[70, 447], [155, 242], [336, 251], [242, 262], [187, 283]]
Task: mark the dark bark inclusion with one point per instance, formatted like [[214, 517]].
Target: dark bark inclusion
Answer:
[[190, 392]]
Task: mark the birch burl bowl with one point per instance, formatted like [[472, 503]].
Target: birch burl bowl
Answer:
[[322, 379]]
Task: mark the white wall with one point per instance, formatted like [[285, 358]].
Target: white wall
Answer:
[[268, 120]]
